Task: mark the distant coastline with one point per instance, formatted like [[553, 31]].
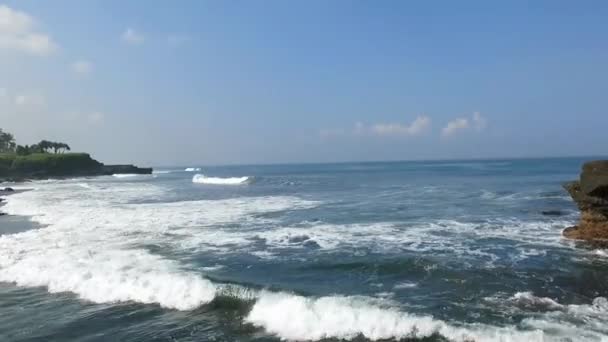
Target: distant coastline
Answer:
[[49, 159], [46, 165]]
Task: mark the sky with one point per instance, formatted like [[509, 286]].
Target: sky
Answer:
[[239, 82]]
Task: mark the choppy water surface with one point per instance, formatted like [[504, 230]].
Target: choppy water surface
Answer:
[[430, 251]]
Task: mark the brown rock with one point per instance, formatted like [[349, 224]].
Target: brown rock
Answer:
[[591, 196], [594, 178]]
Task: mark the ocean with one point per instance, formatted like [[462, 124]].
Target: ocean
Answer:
[[411, 251]]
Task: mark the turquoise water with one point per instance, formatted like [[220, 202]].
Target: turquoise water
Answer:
[[429, 251]]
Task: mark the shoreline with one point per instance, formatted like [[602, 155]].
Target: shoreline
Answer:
[[12, 224], [8, 191]]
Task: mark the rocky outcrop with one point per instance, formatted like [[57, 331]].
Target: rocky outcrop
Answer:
[[125, 169], [591, 196], [18, 168]]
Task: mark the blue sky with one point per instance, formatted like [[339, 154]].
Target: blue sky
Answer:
[[215, 82]]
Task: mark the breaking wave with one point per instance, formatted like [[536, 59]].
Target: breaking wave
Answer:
[[192, 169], [93, 246], [297, 318], [202, 179]]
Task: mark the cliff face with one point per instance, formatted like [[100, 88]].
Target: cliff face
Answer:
[[591, 196]]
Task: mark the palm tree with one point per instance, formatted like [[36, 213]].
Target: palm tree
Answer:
[[7, 142]]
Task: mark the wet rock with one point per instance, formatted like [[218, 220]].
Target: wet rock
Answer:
[[2, 214], [8, 190], [552, 213], [312, 244], [298, 238], [590, 194]]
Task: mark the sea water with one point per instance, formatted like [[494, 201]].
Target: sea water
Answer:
[[430, 251]]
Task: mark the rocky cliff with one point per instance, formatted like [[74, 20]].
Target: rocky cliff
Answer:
[[590, 193]]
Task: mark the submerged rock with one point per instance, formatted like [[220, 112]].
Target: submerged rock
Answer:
[[552, 213], [591, 196]]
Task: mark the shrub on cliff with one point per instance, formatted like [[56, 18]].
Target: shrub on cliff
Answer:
[[6, 162], [54, 164]]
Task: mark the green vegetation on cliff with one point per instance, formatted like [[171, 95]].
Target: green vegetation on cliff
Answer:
[[47, 159], [47, 164]]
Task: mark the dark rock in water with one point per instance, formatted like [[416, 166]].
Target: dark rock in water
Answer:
[[311, 244], [298, 238], [552, 213], [590, 194], [9, 189], [2, 214]]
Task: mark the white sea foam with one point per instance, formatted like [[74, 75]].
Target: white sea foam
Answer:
[[297, 318], [405, 285], [104, 276], [202, 179], [162, 172], [601, 252], [125, 175], [94, 241], [446, 237], [559, 321], [94, 245], [192, 169], [529, 300], [84, 185]]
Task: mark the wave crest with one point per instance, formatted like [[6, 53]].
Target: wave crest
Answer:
[[298, 318], [125, 175], [202, 179]]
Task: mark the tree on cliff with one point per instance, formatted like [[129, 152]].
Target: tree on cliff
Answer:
[[8, 145], [60, 147], [46, 146], [7, 142]]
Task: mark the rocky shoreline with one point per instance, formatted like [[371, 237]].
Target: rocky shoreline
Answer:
[[590, 193], [103, 170]]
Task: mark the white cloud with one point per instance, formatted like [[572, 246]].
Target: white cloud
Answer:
[[82, 67], [132, 37], [454, 126], [18, 32], [479, 122], [462, 124], [417, 127]]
